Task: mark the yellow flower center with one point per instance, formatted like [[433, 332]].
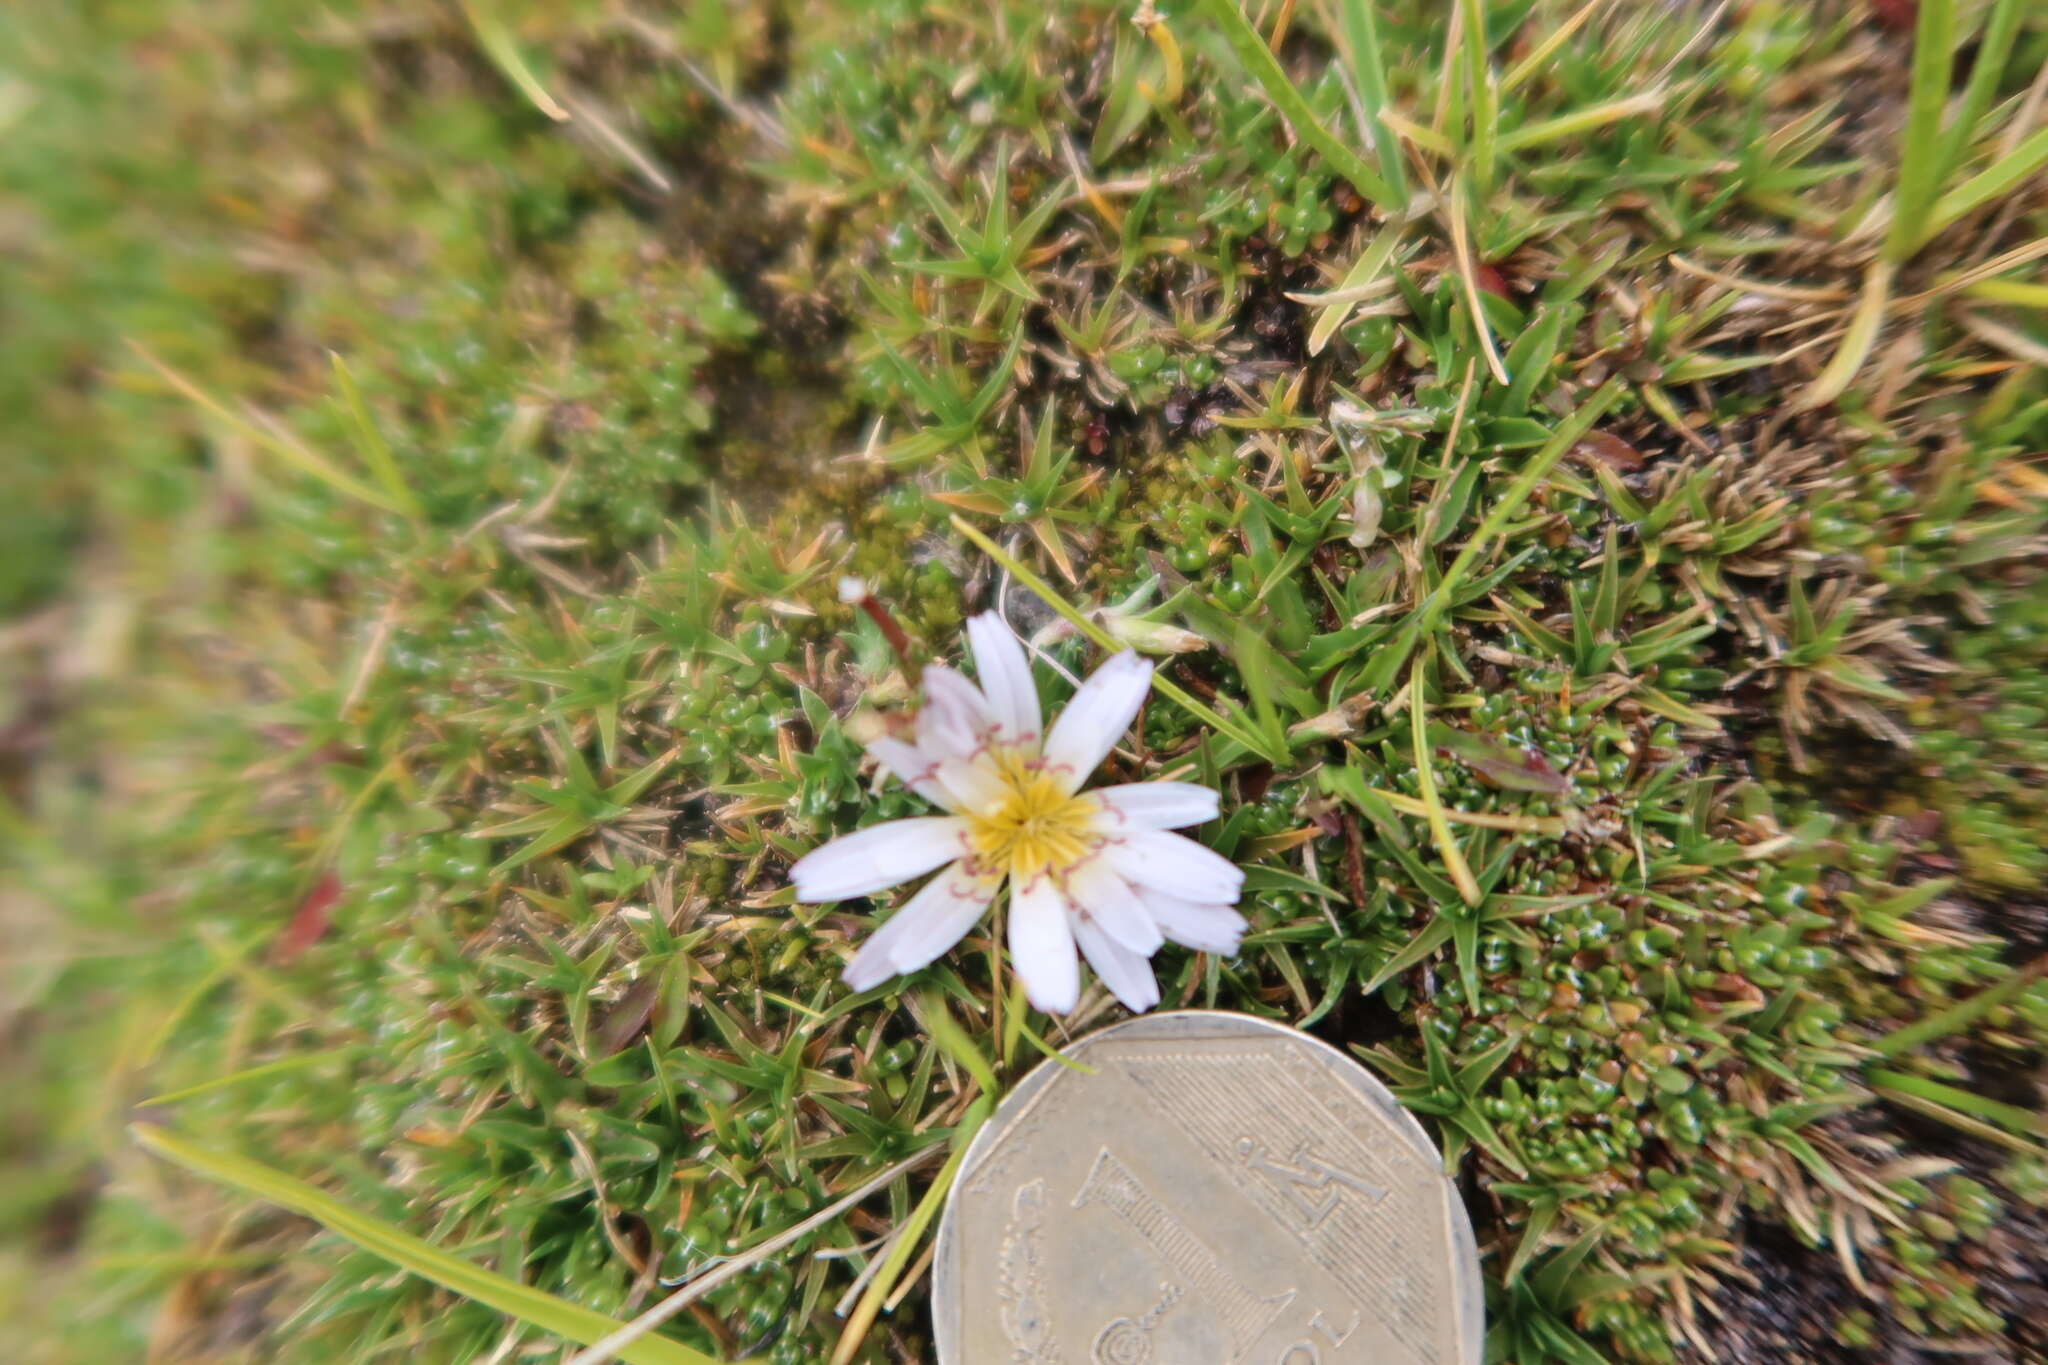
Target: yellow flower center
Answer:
[[1036, 826]]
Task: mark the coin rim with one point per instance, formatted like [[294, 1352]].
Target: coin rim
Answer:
[[1471, 1307]]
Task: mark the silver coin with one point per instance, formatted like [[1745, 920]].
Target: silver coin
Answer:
[[1221, 1190]]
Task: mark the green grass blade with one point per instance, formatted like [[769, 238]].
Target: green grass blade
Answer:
[[1427, 940], [1541, 463], [1455, 209], [496, 41], [1920, 153], [2008, 172], [270, 437], [628, 789], [1994, 49], [1958, 1016], [1256, 666], [1481, 151], [1530, 359], [534, 1307], [1371, 263], [1856, 341], [2018, 293], [563, 831], [1258, 59], [253, 1073], [1539, 56], [1425, 779], [1361, 36], [370, 442], [1542, 1216], [2012, 1117], [955, 1043], [1967, 1123], [1580, 121]]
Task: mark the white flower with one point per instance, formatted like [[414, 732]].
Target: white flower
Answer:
[[1093, 869]]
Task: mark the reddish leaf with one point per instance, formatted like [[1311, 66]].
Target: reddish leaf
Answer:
[[1508, 766], [1609, 450], [1900, 16], [1491, 280], [630, 1015], [309, 921]]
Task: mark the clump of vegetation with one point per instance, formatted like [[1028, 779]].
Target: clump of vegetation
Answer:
[[1575, 468], [1983, 748]]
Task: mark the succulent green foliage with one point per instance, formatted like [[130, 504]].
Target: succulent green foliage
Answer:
[[437, 660]]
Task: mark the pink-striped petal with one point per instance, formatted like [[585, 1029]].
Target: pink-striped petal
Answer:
[[1106, 899], [1042, 945], [1205, 928], [1127, 974], [1005, 678], [927, 925], [1097, 718], [1176, 865], [913, 770], [955, 719], [1158, 805]]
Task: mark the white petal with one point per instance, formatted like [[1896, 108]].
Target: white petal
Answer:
[[1109, 901], [1042, 946], [1205, 928], [929, 923], [881, 855], [1005, 677], [1158, 805], [1179, 867], [1097, 717], [1127, 974], [913, 770], [955, 719]]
